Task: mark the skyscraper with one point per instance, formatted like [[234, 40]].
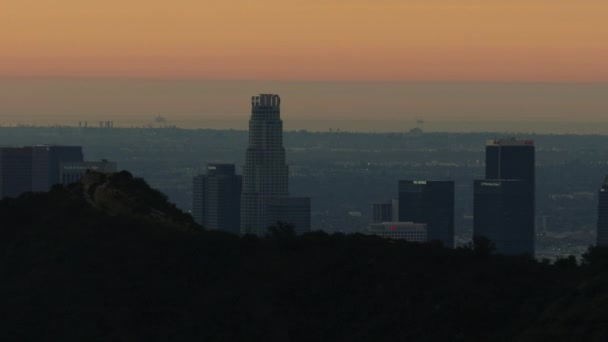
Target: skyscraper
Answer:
[[217, 198], [510, 173], [265, 173], [602, 215], [431, 203]]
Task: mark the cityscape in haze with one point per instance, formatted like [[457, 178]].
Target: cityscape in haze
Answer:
[[321, 170]]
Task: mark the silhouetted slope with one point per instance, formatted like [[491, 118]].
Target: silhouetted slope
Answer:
[[76, 265]]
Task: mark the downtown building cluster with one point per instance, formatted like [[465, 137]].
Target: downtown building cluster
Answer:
[[504, 203], [504, 200], [250, 203]]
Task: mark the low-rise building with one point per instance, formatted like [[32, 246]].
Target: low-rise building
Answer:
[[410, 231]]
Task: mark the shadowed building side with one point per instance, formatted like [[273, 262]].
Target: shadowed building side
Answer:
[[431, 203], [507, 161], [501, 213], [15, 171], [291, 210]]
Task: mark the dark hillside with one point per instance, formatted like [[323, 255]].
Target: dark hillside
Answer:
[[111, 259]]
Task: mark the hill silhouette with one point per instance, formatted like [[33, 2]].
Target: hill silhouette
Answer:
[[110, 259]]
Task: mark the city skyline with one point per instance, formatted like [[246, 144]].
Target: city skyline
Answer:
[[155, 186], [543, 108]]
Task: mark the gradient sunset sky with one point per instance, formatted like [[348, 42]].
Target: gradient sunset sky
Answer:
[[364, 40]]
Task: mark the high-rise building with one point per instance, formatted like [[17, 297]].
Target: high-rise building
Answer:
[[46, 164], [431, 203], [265, 173], [414, 232], [602, 215], [507, 161], [501, 213], [15, 171], [291, 210], [72, 172], [217, 198]]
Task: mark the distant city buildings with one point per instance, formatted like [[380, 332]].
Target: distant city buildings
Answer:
[[431, 203], [414, 232], [72, 172], [504, 202], [602, 215], [36, 168], [217, 198]]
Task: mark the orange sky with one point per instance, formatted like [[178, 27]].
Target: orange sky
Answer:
[[405, 40]]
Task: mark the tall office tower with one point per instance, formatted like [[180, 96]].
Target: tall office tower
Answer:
[[431, 203], [291, 210], [512, 159], [217, 198], [15, 171], [46, 164], [602, 216], [502, 213], [265, 171]]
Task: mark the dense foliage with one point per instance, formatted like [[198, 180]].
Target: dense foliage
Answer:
[[72, 271]]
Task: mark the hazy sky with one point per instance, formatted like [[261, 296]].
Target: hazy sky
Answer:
[[129, 60], [406, 40]]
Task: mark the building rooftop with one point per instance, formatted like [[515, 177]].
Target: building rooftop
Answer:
[[266, 100], [510, 142]]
